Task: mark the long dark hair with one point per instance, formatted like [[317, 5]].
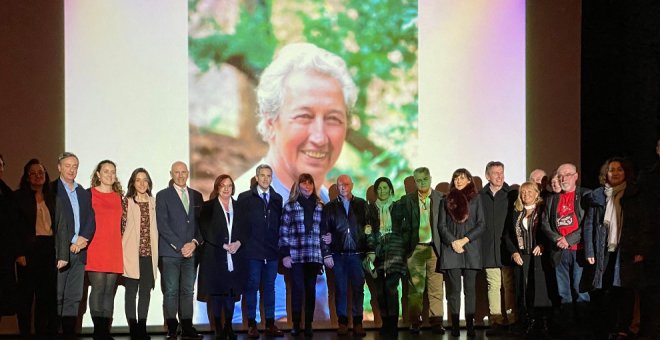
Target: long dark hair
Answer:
[[458, 200], [295, 188], [25, 178], [625, 164], [389, 184], [131, 192]]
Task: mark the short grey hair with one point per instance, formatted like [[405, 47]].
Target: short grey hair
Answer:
[[299, 57], [263, 166], [66, 154]]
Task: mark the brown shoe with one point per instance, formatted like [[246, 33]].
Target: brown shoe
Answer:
[[273, 331], [253, 332], [358, 330], [342, 330]]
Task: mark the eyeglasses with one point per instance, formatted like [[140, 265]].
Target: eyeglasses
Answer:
[[566, 175]]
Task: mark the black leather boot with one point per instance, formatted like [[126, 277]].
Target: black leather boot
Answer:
[[172, 328], [455, 325], [188, 332], [469, 324]]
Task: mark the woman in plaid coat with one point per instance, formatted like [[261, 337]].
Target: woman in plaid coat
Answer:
[[300, 246]]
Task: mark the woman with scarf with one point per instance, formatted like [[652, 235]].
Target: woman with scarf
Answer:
[[460, 224], [526, 242], [614, 245], [385, 252], [222, 268], [300, 247]]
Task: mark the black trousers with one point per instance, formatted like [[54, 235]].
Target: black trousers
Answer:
[[143, 285], [303, 282], [37, 282], [387, 293], [454, 289]]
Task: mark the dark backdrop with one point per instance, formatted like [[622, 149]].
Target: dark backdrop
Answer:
[[620, 83]]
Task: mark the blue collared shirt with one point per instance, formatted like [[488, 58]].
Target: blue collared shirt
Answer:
[[347, 204], [73, 197]]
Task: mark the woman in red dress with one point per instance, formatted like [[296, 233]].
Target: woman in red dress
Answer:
[[104, 256]]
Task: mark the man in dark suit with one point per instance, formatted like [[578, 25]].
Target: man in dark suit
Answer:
[[421, 242], [75, 226], [259, 212], [177, 212]]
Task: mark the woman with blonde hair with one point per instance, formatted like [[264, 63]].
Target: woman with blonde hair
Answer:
[[526, 242]]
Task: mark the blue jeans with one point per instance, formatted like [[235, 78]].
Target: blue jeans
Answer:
[[260, 272], [348, 268], [569, 274], [177, 275]]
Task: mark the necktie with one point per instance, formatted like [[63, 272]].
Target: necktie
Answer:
[[265, 197], [184, 199]]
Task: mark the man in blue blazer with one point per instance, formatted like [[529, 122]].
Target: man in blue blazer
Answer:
[[177, 212], [74, 225]]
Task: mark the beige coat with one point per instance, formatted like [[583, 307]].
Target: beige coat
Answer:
[[131, 239]]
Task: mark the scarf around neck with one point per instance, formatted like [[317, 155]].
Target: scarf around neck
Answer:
[[384, 215], [613, 219]]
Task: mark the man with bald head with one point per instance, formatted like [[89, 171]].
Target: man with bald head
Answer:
[[345, 218], [177, 212], [562, 223]]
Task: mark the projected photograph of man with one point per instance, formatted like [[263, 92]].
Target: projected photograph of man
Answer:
[[317, 87]]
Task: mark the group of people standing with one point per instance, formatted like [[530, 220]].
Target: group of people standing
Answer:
[[582, 252]]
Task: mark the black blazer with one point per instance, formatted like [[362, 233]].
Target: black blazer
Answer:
[[64, 212], [261, 222], [26, 204], [175, 226], [214, 276], [410, 221]]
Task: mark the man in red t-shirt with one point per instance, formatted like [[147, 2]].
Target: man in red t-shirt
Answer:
[[562, 223]]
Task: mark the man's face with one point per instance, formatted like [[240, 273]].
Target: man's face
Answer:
[[495, 176], [567, 177], [308, 134], [264, 178], [68, 168], [537, 176], [179, 173], [423, 181], [345, 186]]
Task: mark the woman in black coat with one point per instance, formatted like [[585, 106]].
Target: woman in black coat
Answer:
[[460, 225], [532, 270], [614, 244], [386, 251], [222, 271], [37, 276]]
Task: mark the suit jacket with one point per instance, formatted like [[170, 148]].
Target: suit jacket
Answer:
[[410, 222], [261, 221], [549, 225], [175, 226], [64, 212]]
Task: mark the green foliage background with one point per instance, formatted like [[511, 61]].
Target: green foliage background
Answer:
[[377, 39]]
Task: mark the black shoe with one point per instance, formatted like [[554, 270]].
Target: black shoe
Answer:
[[172, 329], [469, 324], [188, 332], [455, 325]]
